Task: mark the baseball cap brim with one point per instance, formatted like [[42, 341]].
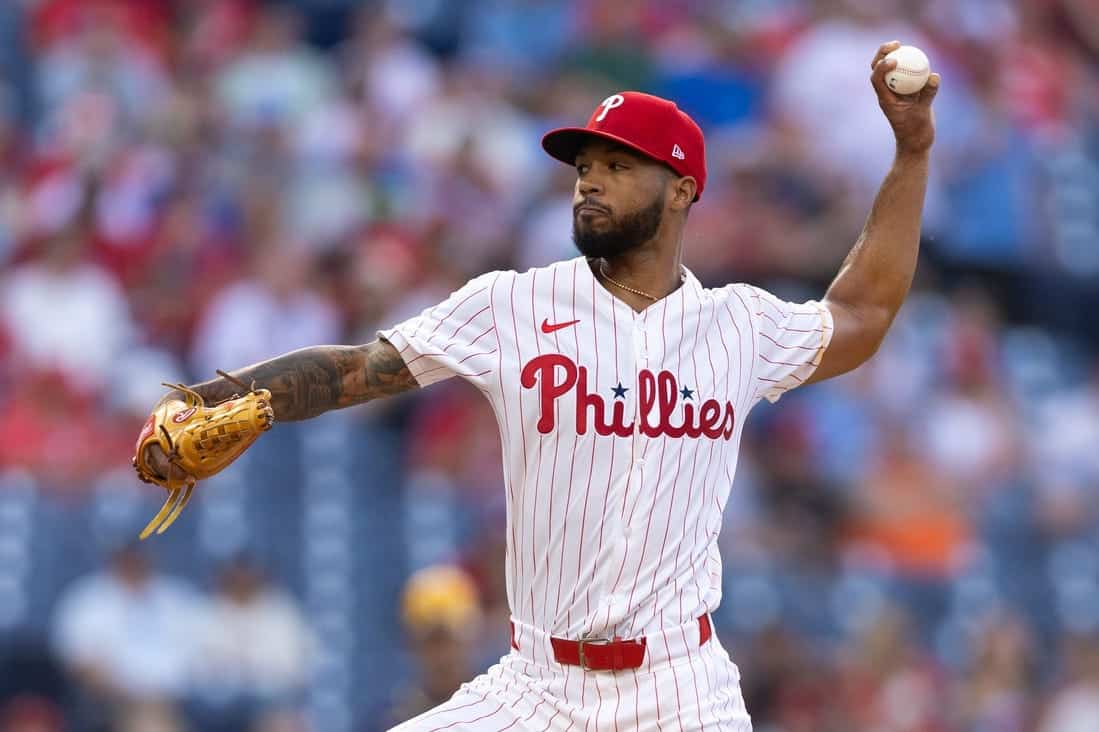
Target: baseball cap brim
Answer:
[[565, 142]]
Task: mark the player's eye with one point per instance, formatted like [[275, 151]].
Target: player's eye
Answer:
[[619, 166], [582, 168]]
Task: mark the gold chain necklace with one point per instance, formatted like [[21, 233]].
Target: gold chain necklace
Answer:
[[627, 288]]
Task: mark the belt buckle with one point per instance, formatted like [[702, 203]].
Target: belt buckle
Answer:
[[591, 642]]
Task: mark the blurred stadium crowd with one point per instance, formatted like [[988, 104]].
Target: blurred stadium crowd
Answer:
[[188, 185]]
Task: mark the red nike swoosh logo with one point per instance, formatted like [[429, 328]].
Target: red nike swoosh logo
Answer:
[[547, 328]]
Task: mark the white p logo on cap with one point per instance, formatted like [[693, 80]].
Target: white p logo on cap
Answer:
[[611, 102]]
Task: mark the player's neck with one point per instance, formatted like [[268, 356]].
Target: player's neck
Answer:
[[641, 277]]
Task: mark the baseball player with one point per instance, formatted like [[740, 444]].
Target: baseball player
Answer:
[[621, 386]]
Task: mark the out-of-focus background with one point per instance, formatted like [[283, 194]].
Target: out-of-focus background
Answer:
[[194, 184]]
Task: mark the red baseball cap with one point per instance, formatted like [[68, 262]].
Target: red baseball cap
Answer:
[[652, 126]]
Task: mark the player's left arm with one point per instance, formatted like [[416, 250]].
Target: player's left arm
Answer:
[[874, 279]]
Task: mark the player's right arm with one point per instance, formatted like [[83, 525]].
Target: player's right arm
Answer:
[[311, 381]]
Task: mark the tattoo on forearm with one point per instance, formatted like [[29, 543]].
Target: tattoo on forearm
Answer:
[[311, 381]]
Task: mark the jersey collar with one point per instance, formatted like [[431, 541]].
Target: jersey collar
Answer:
[[688, 291]]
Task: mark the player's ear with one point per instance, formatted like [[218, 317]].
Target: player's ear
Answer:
[[683, 192]]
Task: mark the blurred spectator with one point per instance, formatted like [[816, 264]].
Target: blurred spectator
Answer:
[[1075, 707], [989, 175], [1064, 439], [996, 694], [910, 511], [65, 313], [813, 101], [96, 85], [888, 682], [396, 75], [146, 716], [59, 434], [528, 33], [33, 689], [31, 714], [441, 614], [971, 431], [776, 690], [128, 632], [280, 721], [253, 648], [275, 311], [277, 78]]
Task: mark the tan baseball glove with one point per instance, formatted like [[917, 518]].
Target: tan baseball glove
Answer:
[[198, 442]]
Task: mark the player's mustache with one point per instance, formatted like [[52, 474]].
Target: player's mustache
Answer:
[[588, 203]]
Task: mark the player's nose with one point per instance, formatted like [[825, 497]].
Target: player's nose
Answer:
[[587, 186]]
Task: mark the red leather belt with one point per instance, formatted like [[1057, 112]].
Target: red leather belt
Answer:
[[609, 655]]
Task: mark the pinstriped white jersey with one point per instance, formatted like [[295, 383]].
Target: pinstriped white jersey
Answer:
[[620, 430]]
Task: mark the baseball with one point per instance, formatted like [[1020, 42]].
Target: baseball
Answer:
[[912, 71]]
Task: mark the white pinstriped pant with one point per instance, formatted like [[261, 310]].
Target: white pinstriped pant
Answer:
[[680, 686]]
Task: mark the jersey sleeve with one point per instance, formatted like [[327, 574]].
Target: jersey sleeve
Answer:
[[457, 337], [790, 341]]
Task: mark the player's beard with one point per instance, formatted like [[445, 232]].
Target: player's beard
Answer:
[[626, 232]]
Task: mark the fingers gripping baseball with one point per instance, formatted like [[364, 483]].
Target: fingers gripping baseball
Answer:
[[909, 115]]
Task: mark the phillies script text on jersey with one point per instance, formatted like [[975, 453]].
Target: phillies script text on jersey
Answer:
[[619, 432], [660, 390]]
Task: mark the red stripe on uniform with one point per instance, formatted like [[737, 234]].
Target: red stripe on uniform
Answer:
[[694, 468], [423, 355], [675, 679], [438, 710], [752, 340], [455, 309], [553, 473], [468, 321], [572, 468], [460, 361], [610, 469], [675, 479], [522, 424], [789, 348], [514, 553], [740, 381], [786, 328], [591, 464], [550, 721], [781, 363], [471, 721], [795, 377], [490, 329], [707, 482], [565, 694], [538, 472]]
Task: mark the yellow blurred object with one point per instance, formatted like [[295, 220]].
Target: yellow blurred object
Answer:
[[441, 595]]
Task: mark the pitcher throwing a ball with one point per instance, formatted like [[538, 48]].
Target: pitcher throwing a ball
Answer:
[[621, 386]]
